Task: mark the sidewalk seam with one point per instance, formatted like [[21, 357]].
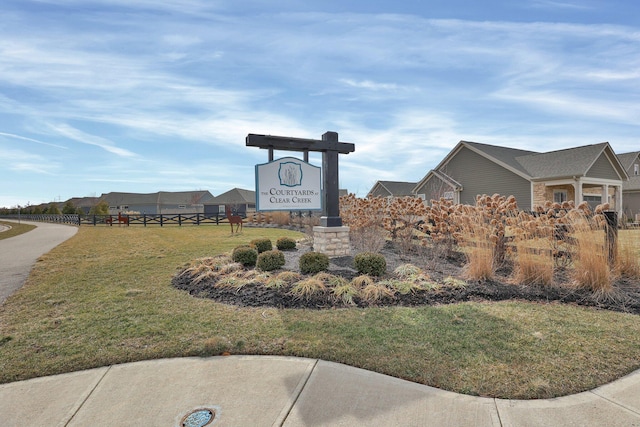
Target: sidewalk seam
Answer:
[[87, 397], [296, 393], [633, 411], [495, 404]]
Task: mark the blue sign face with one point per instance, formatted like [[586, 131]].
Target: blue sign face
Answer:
[[288, 184]]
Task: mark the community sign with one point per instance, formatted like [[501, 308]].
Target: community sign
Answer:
[[288, 184]]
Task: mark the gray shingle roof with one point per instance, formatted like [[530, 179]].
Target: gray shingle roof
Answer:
[[504, 155], [233, 196], [554, 164], [398, 188], [628, 160], [562, 163]]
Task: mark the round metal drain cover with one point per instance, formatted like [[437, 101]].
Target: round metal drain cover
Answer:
[[198, 418]]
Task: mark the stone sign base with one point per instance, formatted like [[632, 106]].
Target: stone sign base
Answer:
[[332, 241]]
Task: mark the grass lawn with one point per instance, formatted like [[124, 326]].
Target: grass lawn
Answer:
[[15, 229], [104, 297]]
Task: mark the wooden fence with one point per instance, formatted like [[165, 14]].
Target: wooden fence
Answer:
[[125, 220], [153, 219]]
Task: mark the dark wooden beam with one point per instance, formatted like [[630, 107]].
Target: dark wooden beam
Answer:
[[298, 144]]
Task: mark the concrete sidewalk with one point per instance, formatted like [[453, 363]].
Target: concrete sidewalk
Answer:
[[285, 391], [18, 254]]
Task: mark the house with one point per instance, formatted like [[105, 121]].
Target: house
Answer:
[[591, 173], [162, 202], [82, 203], [241, 201], [392, 189], [631, 187]]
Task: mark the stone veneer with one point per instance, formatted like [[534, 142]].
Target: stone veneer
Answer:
[[332, 241]]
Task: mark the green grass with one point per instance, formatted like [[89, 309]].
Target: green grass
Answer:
[[15, 230], [104, 297]]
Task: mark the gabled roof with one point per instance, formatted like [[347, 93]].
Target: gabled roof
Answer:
[[455, 185], [569, 162], [117, 199], [159, 198], [502, 155], [628, 159], [532, 165], [395, 188], [184, 197], [234, 196]]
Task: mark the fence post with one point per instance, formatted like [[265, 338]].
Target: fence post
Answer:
[[611, 233], [180, 220], [198, 219]]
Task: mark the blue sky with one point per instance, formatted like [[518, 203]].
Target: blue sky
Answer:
[[146, 95]]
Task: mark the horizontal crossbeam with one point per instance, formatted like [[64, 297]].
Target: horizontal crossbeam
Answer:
[[298, 144]]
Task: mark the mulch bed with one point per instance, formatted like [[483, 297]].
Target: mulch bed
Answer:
[[624, 298]]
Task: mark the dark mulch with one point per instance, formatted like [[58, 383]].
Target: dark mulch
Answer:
[[624, 298]]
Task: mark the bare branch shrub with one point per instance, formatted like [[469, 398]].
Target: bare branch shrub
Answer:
[[364, 218]]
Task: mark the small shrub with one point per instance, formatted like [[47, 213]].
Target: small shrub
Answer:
[[245, 255], [262, 245], [375, 292], [313, 262], [285, 243], [403, 287], [306, 288], [406, 271], [270, 260], [285, 278], [370, 263], [362, 281], [345, 291]]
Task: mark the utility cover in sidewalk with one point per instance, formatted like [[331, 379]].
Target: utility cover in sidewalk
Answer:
[[198, 418]]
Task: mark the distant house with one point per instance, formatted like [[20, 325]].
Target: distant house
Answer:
[[591, 173], [631, 187], [392, 189], [162, 202], [239, 200], [83, 203]]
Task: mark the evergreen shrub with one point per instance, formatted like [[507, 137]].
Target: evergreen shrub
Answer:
[[313, 262], [370, 263]]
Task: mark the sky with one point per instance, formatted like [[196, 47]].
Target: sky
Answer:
[[145, 95]]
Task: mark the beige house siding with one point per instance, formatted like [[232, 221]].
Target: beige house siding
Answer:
[[631, 204], [433, 189], [602, 168], [482, 176]]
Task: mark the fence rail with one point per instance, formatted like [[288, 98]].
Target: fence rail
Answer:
[[153, 219], [127, 220], [71, 219]]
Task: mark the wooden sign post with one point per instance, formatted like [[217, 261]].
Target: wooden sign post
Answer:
[[330, 237], [330, 147]]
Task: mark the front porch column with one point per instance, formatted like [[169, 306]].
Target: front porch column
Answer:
[[578, 192], [604, 198]]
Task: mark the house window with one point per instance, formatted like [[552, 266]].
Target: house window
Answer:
[[448, 195], [636, 169], [559, 196], [182, 206]]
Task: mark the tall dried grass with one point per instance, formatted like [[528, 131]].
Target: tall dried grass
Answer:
[[591, 268], [628, 259]]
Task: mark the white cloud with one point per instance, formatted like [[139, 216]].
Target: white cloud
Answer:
[[23, 138], [67, 131]]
